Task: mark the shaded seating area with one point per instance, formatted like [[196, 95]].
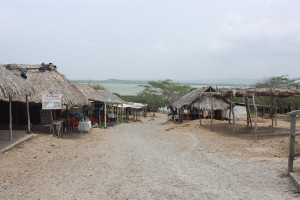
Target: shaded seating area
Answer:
[[251, 95], [13, 88], [45, 79], [199, 104]]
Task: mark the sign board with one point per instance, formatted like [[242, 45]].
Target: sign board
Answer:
[[51, 101]]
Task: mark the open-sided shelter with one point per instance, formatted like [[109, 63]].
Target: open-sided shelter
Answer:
[[251, 94], [13, 88], [47, 80], [196, 102]]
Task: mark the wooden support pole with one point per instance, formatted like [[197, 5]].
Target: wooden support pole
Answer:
[[99, 116], [52, 124], [200, 118], [233, 116], [230, 109], [104, 115], [68, 118], [247, 110], [117, 113], [272, 112], [275, 101], [255, 108], [122, 113], [233, 120], [211, 113], [28, 115], [292, 144], [10, 120]]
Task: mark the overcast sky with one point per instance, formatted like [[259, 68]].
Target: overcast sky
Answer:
[[154, 39]]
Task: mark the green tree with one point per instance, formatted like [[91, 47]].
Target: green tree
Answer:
[[170, 90], [158, 94]]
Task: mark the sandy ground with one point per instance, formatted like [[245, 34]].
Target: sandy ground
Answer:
[[150, 160]]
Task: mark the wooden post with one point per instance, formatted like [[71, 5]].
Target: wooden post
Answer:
[[250, 120], [10, 120], [52, 124], [211, 113], [292, 144], [272, 111], [233, 120], [92, 110], [117, 113], [255, 108], [99, 116], [230, 109], [275, 101], [28, 115], [104, 115], [233, 115], [200, 118], [122, 113], [68, 118], [246, 103]]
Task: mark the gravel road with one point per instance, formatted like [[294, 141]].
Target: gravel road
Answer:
[[140, 160]]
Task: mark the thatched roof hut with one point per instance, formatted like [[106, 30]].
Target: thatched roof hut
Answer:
[[88, 91], [47, 80], [191, 99], [108, 96], [14, 86]]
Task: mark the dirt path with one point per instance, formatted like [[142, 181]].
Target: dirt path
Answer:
[[137, 161]]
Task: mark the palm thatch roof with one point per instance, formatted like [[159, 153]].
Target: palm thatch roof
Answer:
[[275, 92], [206, 102], [88, 91], [14, 86], [189, 98], [47, 80], [108, 96]]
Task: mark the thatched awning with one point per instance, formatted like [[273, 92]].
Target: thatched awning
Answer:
[[88, 91], [187, 99], [14, 86], [108, 96], [50, 81]]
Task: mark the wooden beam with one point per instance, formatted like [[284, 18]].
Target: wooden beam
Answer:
[[295, 180]]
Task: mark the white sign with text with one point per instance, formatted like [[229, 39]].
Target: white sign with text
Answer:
[[51, 101]]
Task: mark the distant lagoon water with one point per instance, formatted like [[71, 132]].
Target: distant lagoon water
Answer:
[[133, 89]]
